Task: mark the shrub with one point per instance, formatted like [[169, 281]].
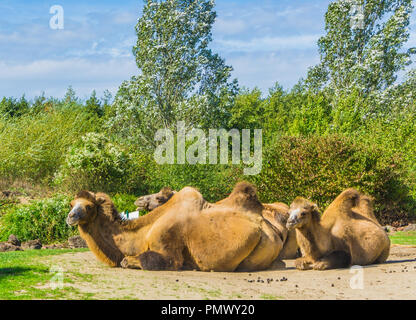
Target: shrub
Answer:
[[124, 202], [42, 219], [10, 107], [320, 168], [214, 182], [94, 164], [33, 147]]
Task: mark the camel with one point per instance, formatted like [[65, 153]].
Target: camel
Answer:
[[348, 233], [152, 201], [276, 213], [186, 232]]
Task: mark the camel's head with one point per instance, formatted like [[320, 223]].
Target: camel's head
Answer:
[[301, 213], [83, 208], [154, 201]]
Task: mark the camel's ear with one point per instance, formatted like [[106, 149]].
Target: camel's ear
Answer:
[[100, 200], [316, 213], [311, 206]]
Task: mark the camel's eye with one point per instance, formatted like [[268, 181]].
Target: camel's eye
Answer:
[[89, 207], [303, 214]]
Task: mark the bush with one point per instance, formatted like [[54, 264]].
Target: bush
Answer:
[[93, 164], [42, 219], [214, 182], [33, 147], [124, 202], [320, 168]]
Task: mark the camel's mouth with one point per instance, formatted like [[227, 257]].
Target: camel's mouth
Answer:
[[291, 225], [74, 217], [141, 204], [71, 221]]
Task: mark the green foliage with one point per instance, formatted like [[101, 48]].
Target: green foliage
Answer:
[[180, 78], [349, 124], [93, 106], [11, 108], [34, 146], [313, 117], [214, 182], [124, 202], [365, 54], [42, 219], [320, 168], [248, 110], [93, 164]]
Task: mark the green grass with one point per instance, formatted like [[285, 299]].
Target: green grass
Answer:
[[24, 275], [404, 238]]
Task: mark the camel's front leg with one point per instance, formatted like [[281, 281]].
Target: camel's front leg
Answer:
[[148, 260]]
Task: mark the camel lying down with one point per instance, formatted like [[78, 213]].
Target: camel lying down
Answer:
[[347, 233], [236, 234], [276, 213], [184, 233]]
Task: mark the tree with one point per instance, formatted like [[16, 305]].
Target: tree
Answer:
[[363, 46], [70, 96], [93, 105], [180, 77], [248, 110], [10, 107]]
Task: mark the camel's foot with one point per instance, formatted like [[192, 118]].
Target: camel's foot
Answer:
[[148, 260], [302, 264], [335, 260], [320, 265], [277, 265], [130, 263]]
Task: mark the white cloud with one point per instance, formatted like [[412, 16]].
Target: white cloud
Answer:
[[277, 43], [53, 77], [264, 70], [229, 27], [125, 17]]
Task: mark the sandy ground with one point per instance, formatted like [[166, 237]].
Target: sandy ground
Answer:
[[395, 279]]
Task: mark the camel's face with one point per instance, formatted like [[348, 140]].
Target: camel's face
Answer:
[[149, 202], [300, 213], [154, 201], [82, 212]]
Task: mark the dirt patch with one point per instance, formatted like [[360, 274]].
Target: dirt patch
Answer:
[[395, 279]]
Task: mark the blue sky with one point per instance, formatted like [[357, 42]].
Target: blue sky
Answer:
[[266, 41]]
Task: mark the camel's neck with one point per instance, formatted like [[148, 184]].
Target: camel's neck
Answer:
[[101, 237], [111, 241], [310, 239]]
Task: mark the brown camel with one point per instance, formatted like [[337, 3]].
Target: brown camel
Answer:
[[347, 233], [277, 214], [155, 200], [185, 233]]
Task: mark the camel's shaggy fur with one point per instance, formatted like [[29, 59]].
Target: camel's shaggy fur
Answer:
[[277, 214], [347, 233], [184, 233]]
